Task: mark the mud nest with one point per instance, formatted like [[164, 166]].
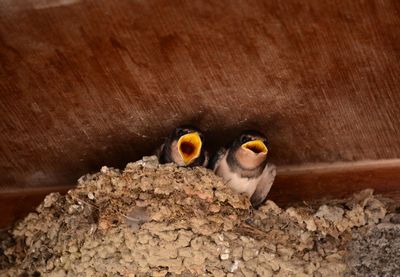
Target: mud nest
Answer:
[[158, 220]]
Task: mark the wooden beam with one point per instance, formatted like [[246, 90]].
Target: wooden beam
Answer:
[[16, 204], [107, 80], [337, 180]]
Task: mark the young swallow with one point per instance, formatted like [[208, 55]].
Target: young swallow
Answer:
[[244, 166], [184, 146]]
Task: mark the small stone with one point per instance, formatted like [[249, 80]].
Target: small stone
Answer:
[[49, 265], [234, 266], [50, 200], [59, 273], [333, 214], [224, 256], [214, 208], [264, 270], [91, 195], [248, 253], [374, 211], [233, 217], [161, 273], [104, 224], [73, 249], [285, 251], [237, 252], [73, 208], [310, 224]]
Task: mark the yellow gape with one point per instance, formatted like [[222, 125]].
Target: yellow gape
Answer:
[[256, 146], [189, 147]]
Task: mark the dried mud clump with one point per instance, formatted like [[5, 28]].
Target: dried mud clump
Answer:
[[375, 251], [157, 220]]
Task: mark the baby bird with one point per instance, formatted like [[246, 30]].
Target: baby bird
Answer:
[[244, 166], [184, 146]]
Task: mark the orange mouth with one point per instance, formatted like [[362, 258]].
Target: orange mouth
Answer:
[[189, 147], [256, 146]]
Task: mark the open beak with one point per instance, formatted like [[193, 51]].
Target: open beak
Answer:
[[189, 147], [256, 146]]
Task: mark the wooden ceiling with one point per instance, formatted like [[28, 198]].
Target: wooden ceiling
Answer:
[[91, 83]]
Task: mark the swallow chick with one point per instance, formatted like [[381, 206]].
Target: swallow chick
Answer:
[[184, 146], [244, 166]]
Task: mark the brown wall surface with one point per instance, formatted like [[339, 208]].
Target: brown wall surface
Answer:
[[88, 83]]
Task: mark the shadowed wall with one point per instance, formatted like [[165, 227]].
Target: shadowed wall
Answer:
[[87, 83]]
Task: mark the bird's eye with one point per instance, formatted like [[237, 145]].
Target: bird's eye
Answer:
[[180, 132], [244, 139]]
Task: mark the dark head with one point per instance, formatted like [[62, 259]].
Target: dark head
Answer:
[[249, 150], [186, 145]]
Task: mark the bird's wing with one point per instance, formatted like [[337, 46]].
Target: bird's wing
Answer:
[[215, 160], [206, 158], [263, 187], [159, 150]]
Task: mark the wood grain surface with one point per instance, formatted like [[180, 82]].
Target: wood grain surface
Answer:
[[91, 83]]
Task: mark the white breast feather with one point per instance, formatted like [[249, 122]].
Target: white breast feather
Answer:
[[237, 183]]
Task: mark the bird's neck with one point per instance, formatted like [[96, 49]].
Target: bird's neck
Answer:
[[248, 159], [246, 163]]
